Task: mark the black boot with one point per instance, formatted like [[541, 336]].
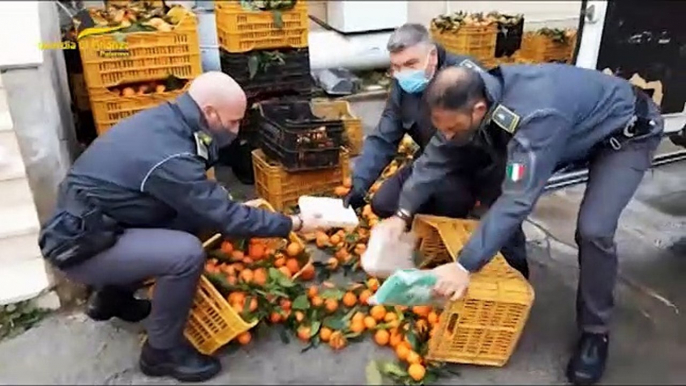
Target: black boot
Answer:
[[114, 302], [587, 364], [183, 363]]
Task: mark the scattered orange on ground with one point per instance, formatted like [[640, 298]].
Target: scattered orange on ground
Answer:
[[422, 311], [317, 301], [244, 338], [364, 296], [312, 291], [381, 337], [260, 276], [304, 333], [349, 299], [331, 305], [325, 334], [378, 312], [373, 284], [226, 247], [293, 265], [401, 351], [286, 272], [337, 340], [247, 275], [293, 249], [416, 371], [413, 357], [308, 272], [369, 322]]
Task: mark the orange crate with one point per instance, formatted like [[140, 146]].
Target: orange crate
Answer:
[[121, 3], [149, 55], [109, 108], [213, 322], [541, 49], [242, 30], [476, 41], [79, 92], [337, 109], [282, 189], [483, 327]]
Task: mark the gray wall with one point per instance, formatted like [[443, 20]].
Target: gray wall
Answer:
[[39, 103]]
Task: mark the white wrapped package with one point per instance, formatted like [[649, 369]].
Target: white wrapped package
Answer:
[[332, 210], [386, 253]]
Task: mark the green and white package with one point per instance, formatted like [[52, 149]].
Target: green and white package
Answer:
[[407, 287]]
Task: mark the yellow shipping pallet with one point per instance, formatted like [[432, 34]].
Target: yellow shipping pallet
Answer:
[[483, 327], [242, 30], [213, 322], [113, 59], [337, 109], [282, 189]]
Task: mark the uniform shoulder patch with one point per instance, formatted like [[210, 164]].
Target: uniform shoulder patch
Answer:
[[505, 118], [470, 65], [201, 143]]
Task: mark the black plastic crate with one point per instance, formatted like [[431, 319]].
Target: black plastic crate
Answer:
[[270, 72], [294, 127], [509, 38], [299, 160]]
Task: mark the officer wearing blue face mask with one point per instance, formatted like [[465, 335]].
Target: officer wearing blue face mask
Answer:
[[128, 210], [414, 61]]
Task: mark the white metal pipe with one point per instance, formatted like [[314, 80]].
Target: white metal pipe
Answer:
[[329, 49]]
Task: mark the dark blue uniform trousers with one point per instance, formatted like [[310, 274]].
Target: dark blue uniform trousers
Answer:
[[614, 176], [175, 259], [455, 198]]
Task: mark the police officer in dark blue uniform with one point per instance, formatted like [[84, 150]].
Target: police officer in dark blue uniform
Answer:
[[537, 119], [414, 61], [128, 210]]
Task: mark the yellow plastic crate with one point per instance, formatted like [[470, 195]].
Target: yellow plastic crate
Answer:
[[213, 322], [476, 41], [542, 49], [79, 92], [147, 56], [241, 30], [282, 189], [109, 108], [337, 109], [483, 327]]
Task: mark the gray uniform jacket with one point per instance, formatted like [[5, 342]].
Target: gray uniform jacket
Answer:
[[148, 171], [557, 114], [404, 113]]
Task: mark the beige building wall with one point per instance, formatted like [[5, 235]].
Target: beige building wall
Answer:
[[554, 14]]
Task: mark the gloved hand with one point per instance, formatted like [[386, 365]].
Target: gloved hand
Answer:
[[354, 198]]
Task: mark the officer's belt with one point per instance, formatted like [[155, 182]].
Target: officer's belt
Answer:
[[66, 246], [640, 126]]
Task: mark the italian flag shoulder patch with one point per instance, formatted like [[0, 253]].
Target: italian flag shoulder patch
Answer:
[[515, 172]]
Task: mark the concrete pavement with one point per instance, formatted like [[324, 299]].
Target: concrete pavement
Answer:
[[648, 343]]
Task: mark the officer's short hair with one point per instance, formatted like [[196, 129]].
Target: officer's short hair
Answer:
[[455, 88], [408, 35]]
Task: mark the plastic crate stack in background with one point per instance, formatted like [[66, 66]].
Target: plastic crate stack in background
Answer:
[[126, 72], [484, 326], [265, 50], [302, 149], [466, 34], [549, 45]]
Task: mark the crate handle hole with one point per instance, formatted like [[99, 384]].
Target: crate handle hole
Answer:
[[452, 323]]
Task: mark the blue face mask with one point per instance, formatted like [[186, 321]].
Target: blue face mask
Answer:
[[412, 81]]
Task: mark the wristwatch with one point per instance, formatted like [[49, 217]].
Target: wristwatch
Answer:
[[405, 216]]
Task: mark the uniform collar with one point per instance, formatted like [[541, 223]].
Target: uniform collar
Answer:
[[195, 120], [191, 113], [494, 87]]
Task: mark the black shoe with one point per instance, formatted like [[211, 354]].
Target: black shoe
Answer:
[[183, 363], [112, 302], [587, 365]]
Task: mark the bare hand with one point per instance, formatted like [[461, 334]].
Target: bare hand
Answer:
[[394, 225], [452, 280], [311, 222]]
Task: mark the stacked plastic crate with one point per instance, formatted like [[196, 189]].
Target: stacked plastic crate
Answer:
[[264, 47], [128, 72]]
